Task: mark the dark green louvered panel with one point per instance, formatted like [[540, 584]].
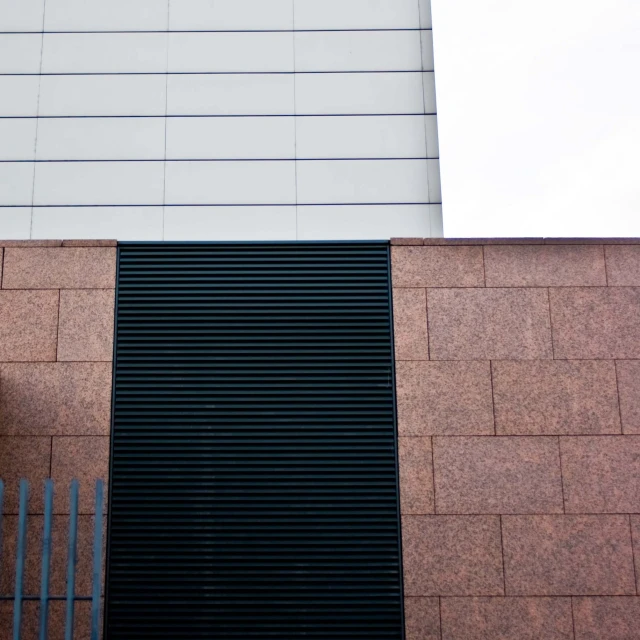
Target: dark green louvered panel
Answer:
[[254, 478]]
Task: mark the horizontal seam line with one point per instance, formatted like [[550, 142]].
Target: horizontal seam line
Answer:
[[230, 115], [164, 31], [208, 73], [291, 159], [223, 204]]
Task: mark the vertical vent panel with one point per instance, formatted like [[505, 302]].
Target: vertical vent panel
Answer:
[[254, 479]]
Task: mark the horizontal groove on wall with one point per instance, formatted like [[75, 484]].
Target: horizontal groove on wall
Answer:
[[254, 482], [232, 204], [142, 31]]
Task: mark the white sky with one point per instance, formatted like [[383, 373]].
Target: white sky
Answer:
[[539, 116]]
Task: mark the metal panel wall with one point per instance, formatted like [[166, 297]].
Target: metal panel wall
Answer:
[[254, 474]]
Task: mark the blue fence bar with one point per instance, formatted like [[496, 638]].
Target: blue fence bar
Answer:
[[71, 564], [97, 563], [20, 558], [46, 558]]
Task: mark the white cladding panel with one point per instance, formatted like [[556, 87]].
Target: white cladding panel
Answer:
[[218, 120]]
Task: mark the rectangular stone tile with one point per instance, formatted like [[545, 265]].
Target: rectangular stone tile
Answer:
[[410, 324], [601, 474], [57, 616], [422, 618], [635, 539], [406, 241], [591, 241], [59, 555], [86, 325], [416, 475], [437, 267], [598, 322], [31, 621], [1, 264], [85, 458], [489, 324], [60, 268], [481, 241], [629, 388], [545, 266], [58, 398], [623, 265], [555, 397], [607, 618], [59, 544], [568, 555], [89, 243], [30, 243], [33, 558], [497, 475], [28, 325], [452, 555], [444, 398], [29, 458], [506, 619]]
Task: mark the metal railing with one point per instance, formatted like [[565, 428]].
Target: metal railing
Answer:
[[21, 554]]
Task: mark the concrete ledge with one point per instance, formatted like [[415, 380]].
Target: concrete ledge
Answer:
[[452, 242], [58, 243]]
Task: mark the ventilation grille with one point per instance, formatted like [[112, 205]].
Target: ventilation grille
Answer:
[[254, 480]]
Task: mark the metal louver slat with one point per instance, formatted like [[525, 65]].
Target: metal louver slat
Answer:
[[254, 488]]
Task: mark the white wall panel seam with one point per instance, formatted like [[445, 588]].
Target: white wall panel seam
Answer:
[[35, 142], [424, 106], [295, 112], [166, 112]]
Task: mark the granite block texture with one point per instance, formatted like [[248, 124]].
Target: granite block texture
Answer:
[[416, 475], [489, 324], [452, 555], [410, 324], [601, 474], [422, 618], [497, 475], [607, 618], [506, 619], [635, 539], [57, 398], [545, 266], [27, 458], [28, 326], [568, 555], [85, 458], [437, 267], [57, 612], [59, 553], [623, 265], [86, 325], [33, 558], [22, 244], [596, 323], [406, 242], [629, 388], [444, 398], [555, 397], [60, 268]]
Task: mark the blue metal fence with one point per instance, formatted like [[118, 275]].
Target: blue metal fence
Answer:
[[21, 554]]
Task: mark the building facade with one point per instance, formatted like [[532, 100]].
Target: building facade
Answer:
[[337, 425], [218, 120]]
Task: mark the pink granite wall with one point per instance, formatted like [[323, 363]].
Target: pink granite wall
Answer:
[[518, 375], [518, 367], [56, 341]]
